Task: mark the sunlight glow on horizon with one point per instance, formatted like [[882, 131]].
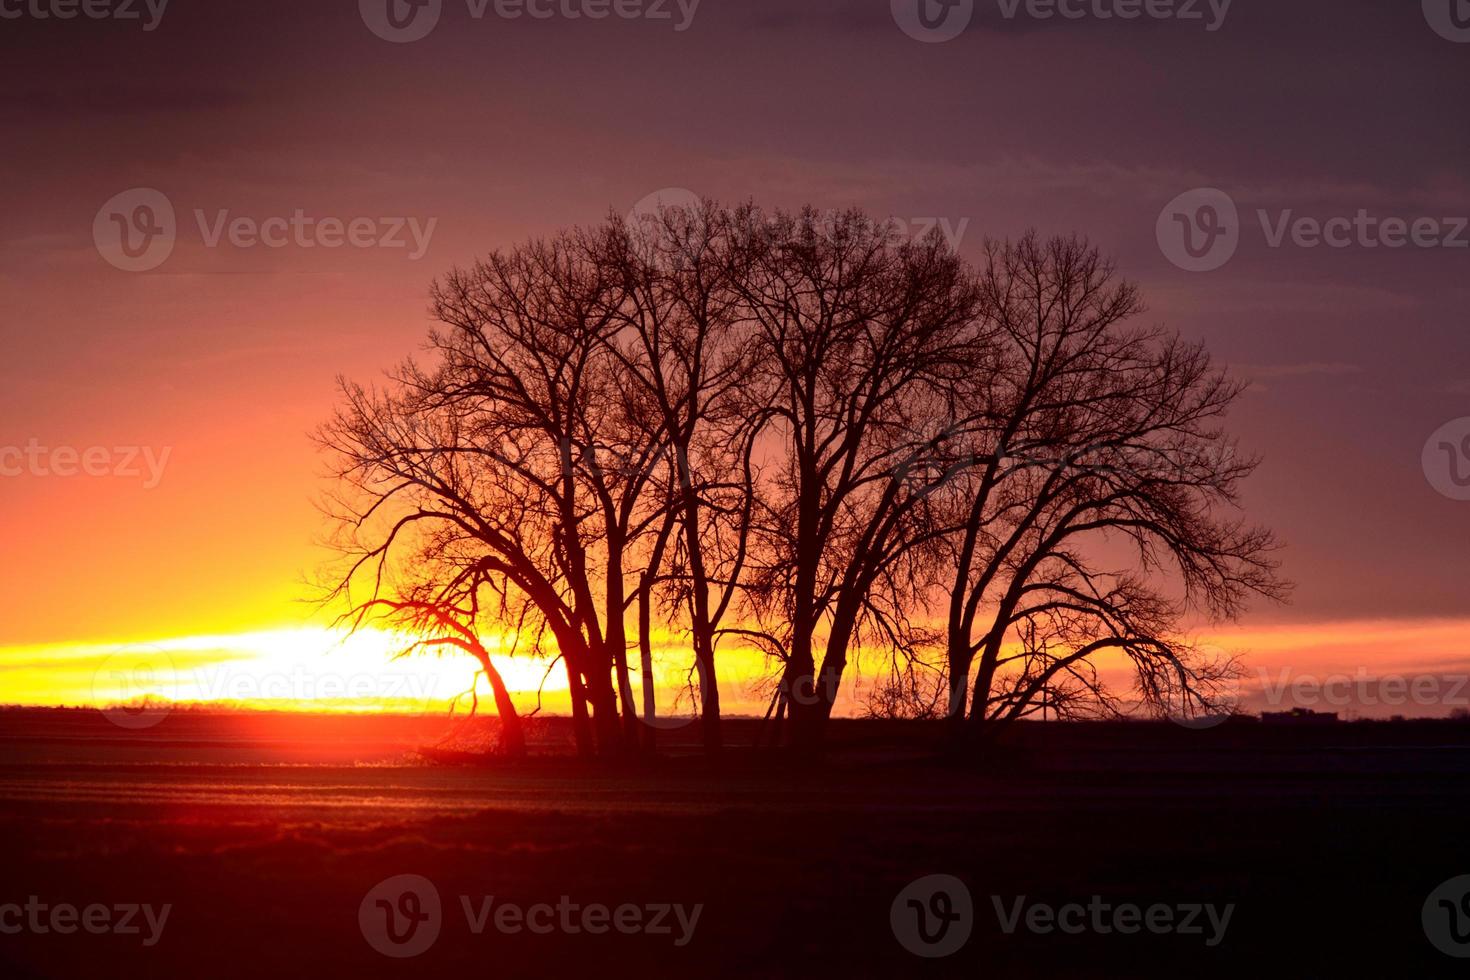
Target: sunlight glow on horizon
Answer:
[[308, 668], [315, 668]]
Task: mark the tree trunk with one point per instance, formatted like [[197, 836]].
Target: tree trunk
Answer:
[[629, 710], [798, 686], [615, 638], [581, 727], [604, 711], [645, 665], [704, 646], [709, 696], [646, 583], [957, 668], [799, 682], [512, 732]]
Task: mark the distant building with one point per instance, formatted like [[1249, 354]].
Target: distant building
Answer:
[[1299, 716]]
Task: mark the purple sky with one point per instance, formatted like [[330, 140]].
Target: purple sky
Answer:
[[499, 129]]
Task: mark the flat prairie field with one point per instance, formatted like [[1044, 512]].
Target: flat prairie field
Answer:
[[265, 845]]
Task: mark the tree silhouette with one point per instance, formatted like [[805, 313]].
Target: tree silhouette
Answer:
[[1094, 438], [802, 435], [858, 335]]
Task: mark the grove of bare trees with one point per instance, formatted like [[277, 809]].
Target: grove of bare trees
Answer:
[[802, 437]]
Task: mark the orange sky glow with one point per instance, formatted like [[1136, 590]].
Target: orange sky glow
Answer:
[[1327, 666]]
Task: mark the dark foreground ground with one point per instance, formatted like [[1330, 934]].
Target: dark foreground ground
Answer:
[[265, 836]]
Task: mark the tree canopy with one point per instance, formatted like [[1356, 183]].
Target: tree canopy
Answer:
[[802, 434]]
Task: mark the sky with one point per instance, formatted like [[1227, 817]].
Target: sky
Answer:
[[198, 380]]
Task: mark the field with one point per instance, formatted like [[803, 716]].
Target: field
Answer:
[[265, 834]]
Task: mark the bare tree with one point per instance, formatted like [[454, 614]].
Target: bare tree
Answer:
[[1096, 478], [679, 341], [529, 353], [515, 434], [798, 433], [858, 335], [409, 522]]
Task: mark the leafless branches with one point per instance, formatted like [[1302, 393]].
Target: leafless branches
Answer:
[[796, 434]]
